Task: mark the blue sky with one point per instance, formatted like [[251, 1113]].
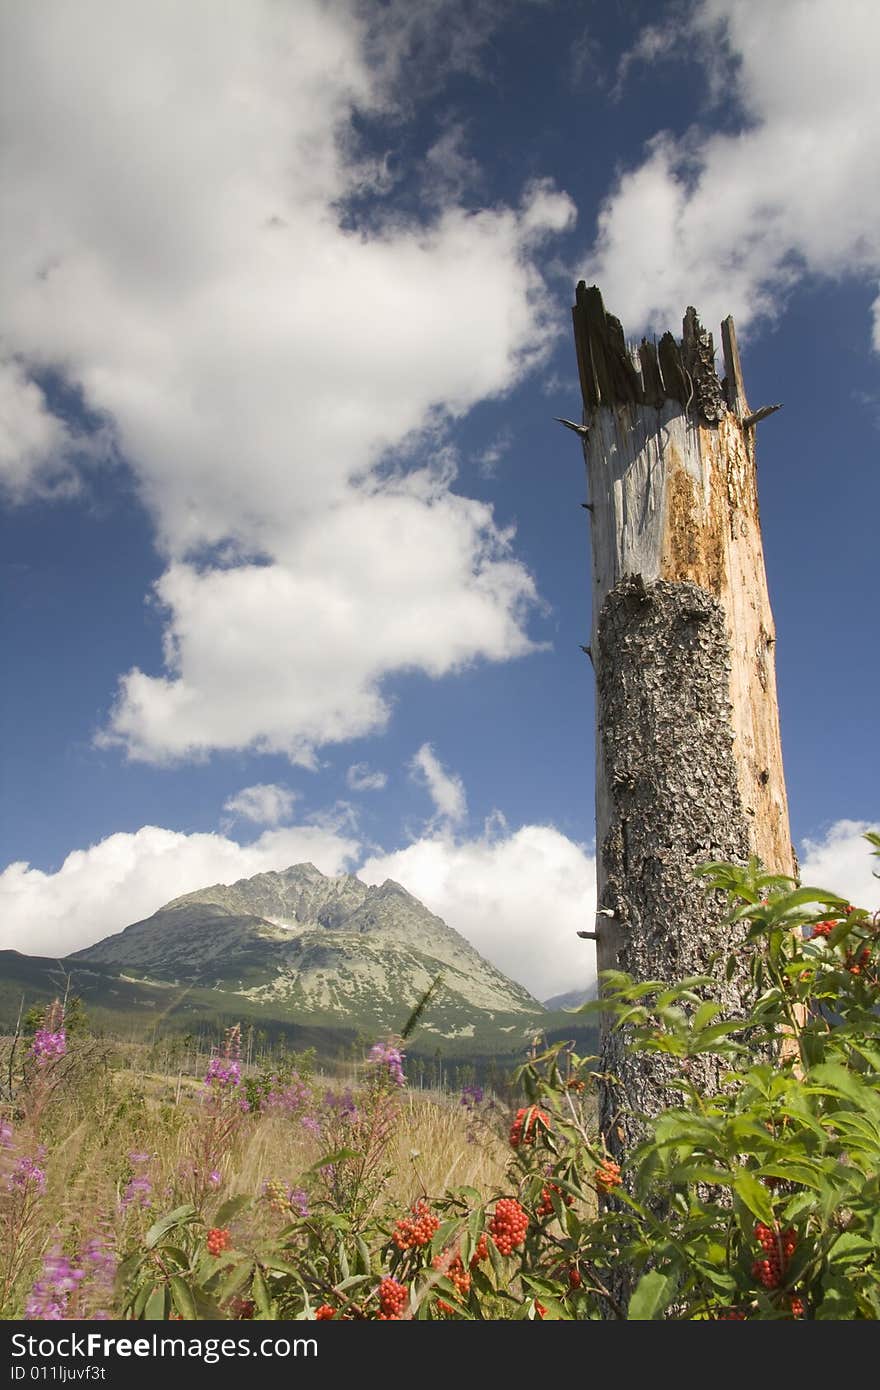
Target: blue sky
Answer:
[[293, 560]]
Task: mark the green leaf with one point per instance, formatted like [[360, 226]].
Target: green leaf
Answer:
[[155, 1309], [651, 1296], [363, 1255], [261, 1294], [230, 1209], [181, 1216], [755, 1196], [182, 1298], [238, 1276]]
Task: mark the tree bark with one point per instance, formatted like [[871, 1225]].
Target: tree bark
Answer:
[[688, 752]]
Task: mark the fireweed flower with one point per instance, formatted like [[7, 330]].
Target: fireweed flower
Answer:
[[6, 1134], [98, 1263], [27, 1175], [224, 1071], [287, 1099], [215, 1177], [471, 1096], [384, 1055], [342, 1104], [50, 1296], [311, 1125], [50, 1040]]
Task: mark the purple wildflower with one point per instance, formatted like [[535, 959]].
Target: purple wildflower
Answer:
[[215, 1177], [344, 1104], [299, 1200], [27, 1175], [47, 1046], [99, 1264], [50, 1040], [471, 1096], [50, 1295], [6, 1134], [224, 1071], [311, 1125], [287, 1099], [139, 1192], [384, 1055]]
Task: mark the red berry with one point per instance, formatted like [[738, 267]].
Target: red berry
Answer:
[[218, 1240], [527, 1123], [607, 1176], [324, 1313]]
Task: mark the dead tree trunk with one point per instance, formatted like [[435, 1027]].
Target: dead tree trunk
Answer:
[[688, 754]]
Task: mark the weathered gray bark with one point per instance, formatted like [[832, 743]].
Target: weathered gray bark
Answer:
[[688, 753]]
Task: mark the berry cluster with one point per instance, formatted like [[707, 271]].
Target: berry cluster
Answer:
[[778, 1248], [481, 1252], [455, 1272], [219, 1240], [509, 1225], [443, 1307], [325, 1312], [857, 960], [525, 1125], [575, 1278], [824, 928], [545, 1207], [277, 1195], [607, 1176], [418, 1230], [797, 1307], [732, 1315], [392, 1300]]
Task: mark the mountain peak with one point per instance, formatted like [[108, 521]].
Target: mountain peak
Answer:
[[309, 944]]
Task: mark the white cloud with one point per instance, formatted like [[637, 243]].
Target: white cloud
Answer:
[[445, 789], [176, 244], [264, 803], [518, 898], [728, 221], [126, 877], [361, 779], [287, 656], [842, 861], [35, 445]]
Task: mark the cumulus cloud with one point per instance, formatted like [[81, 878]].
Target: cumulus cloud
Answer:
[[519, 898], [286, 656], [179, 245], [126, 877], [264, 803], [841, 860], [445, 789], [728, 220], [361, 779], [35, 446]]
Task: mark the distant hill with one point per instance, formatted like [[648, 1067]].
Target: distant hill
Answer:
[[574, 999], [317, 958]]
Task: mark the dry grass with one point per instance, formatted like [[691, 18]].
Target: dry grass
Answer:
[[103, 1113]]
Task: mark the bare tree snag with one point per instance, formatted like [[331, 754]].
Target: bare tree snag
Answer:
[[688, 753]]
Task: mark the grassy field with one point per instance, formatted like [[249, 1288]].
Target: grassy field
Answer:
[[110, 1136]]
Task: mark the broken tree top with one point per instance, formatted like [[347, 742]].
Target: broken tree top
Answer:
[[612, 373]]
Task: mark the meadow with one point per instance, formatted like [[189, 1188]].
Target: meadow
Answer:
[[209, 1186]]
